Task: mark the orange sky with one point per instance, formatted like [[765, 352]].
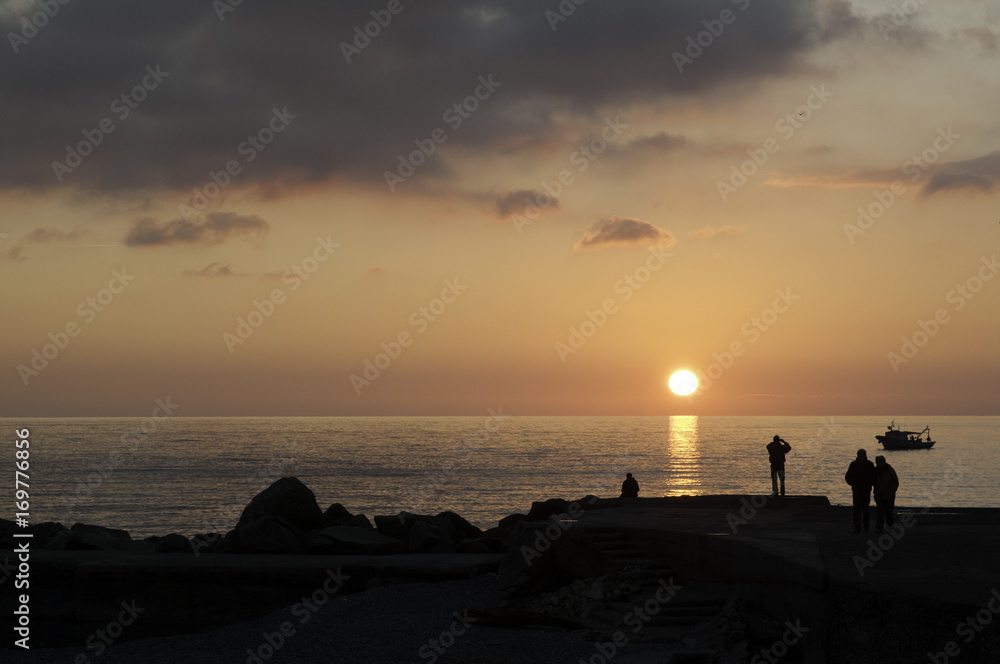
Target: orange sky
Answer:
[[653, 247]]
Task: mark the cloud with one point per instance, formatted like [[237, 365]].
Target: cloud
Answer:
[[218, 228], [15, 253], [709, 232], [624, 231], [54, 236], [517, 202], [981, 174], [355, 119], [215, 270], [661, 141]]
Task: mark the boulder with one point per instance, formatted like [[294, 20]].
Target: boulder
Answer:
[[351, 540], [43, 532], [100, 530], [73, 540], [465, 529], [289, 499], [426, 537], [268, 534], [207, 542], [360, 521], [541, 510], [506, 524], [336, 514], [399, 526]]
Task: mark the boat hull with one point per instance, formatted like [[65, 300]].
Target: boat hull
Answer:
[[890, 444]]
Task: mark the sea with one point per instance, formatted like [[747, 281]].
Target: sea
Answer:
[[192, 475]]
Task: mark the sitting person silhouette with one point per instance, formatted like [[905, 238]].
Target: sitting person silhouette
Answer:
[[630, 488]]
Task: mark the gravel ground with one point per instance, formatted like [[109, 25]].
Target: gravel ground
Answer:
[[387, 624]]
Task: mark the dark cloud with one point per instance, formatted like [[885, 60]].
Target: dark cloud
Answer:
[[981, 174], [53, 236], [619, 231], [216, 229], [215, 270], [516, 202], [223, 80], [660, 141]]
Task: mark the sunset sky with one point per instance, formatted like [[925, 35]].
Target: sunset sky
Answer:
[[500, 204]]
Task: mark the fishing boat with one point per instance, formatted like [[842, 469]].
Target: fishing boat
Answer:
[[894, 439]]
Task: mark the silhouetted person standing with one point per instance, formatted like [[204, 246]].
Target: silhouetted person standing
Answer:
[[860, 475], [776, 451], [885, 484], [630, 488]]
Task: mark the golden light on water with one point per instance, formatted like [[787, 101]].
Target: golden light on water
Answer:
[[683, 383]]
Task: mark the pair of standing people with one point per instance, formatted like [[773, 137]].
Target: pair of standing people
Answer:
[[863, 476]]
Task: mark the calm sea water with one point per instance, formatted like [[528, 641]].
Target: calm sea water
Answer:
[[196, 474]]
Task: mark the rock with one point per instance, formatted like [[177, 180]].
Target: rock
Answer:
[[399, 526], [464, 528], [268, 534], [391, 526], [336, 514], [289, 499], [543, 510], [172, 543], [507, 523], [351, 540], [360, 521], [426, 537], [43, 532], [207, 542], [100, 530], [74, 540]]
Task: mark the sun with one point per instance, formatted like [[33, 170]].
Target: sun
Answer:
[[683, 383]]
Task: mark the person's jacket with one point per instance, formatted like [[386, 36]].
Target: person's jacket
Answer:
[[630, 488], [860, 474], [776, 451], [886, 482]]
